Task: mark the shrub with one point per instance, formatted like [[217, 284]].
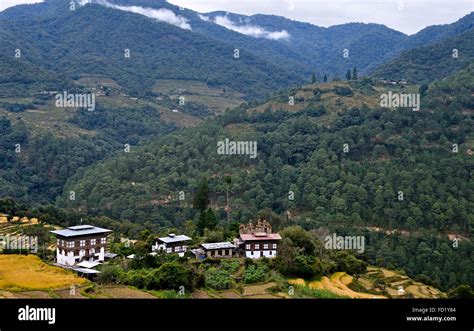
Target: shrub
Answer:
[[218, 279], [255, 274], [136, 278], [343, 90], [230, 265], [110, 274]]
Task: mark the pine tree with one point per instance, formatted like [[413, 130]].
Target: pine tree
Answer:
[[354, 73], [201, 198], [207, 220], [325, 78], [348, 75], [228, 181], [313, 78]]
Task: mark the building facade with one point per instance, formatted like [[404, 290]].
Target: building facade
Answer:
[[171, 244], [215, 250], [257, 241], [81, 243]]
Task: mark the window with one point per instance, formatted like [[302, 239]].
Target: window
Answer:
[[70, 244], [274, 246], [59, 242], [82, 243], [92, 251], [168, 250], [103, 240], [247, 247], [92, 242], [265, 246], [257, 246], [177, 248]]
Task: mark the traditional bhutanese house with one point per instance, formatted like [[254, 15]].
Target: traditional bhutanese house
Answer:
[[215, 250], [81, 243], [258, 241], [171, 244]]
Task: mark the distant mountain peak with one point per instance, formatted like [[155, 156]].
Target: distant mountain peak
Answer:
[[161, 14]]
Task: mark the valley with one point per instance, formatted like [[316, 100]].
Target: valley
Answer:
[[333, 154]]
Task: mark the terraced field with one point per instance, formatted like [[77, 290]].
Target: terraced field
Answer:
[[395, 285], [27, 272], [376, 283]]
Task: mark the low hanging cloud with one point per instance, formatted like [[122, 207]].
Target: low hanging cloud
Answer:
[[162, 14], [249, 29]]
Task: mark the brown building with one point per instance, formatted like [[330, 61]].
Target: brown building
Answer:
[[215, 250]]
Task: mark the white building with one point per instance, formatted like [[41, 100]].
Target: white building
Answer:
[[81, 243], [171, 244], [257, 241]]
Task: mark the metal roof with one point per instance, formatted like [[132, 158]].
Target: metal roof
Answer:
[[174, 238], [88, 264], [80, 230], [259, 236], [221, 245]]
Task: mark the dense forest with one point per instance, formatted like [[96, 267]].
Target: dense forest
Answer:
[[431, 62], [156, 50], [401, 168]]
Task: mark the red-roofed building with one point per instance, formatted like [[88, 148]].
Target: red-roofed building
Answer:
[[257, 241]]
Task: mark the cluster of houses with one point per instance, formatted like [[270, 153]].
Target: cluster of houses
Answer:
[[84, 247]]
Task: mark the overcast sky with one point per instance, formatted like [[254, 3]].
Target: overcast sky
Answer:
[[408, 16]]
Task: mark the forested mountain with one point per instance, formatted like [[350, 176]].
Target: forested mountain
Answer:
[[346, 162], [157, 51], [401, 171], [390, 152], [275, 52], [435, 61]]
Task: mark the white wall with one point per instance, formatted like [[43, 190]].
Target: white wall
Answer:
[[256, 254]]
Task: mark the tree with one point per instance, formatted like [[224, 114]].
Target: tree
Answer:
[[348, 75], [201, 198], [461, 292], [300, 239], [423, 88], [354, 73], [325, 78], [171, 275], [207, 220], [228, 182], [313, 78]]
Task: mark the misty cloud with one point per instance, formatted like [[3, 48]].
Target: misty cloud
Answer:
[[251, 30], [162, 14]]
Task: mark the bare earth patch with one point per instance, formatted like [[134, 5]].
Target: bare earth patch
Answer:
[[123, 292], [254, 290]]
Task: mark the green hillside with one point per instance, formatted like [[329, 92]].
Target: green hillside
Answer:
[[432, 62]]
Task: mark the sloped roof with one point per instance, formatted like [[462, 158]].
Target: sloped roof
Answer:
[[259, 236], [221, 245], [173, 239], [80, 230]]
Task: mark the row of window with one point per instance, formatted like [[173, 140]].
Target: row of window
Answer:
[[176, 249], [92, 251], [82, 243], [257, 246]]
